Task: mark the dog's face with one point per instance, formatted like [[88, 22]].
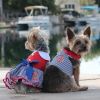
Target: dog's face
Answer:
[[80, 43]]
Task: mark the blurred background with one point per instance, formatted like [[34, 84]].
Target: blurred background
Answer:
[[17, 17]]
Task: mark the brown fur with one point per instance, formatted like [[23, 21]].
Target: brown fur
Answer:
[[57, 81]]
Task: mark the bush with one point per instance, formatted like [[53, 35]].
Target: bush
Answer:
[[14, 51]]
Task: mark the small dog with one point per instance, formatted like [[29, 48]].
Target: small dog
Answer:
[[27, 76], [62, 74]]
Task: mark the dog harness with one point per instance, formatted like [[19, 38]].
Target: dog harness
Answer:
[[62, 61]]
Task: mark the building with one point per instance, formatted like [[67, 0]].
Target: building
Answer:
[[68, 5]]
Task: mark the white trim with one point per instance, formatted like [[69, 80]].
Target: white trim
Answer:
[[44, 55]]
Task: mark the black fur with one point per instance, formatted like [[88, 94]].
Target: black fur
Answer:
[[74, 62], [55, 80]]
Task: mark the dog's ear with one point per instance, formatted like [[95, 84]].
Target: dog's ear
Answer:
[[70, 34], [87, 31]]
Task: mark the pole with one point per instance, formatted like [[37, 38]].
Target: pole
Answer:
[[3, 35], [3, 50], [1, 10]]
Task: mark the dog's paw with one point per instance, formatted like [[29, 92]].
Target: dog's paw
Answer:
[[20, 88], [23, 89], [83, 88], [33, 90], [79, 88], [17, 89]]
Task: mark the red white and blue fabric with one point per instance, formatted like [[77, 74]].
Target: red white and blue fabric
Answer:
[[30, 71], [62, 61], [42, 57]]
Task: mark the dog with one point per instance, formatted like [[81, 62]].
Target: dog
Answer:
[[27, 76], [62, 74]]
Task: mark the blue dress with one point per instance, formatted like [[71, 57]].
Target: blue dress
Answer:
[[26, 72]]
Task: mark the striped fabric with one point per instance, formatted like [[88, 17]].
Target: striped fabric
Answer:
[[61, 60]]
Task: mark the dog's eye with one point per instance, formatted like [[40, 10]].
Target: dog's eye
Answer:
[[78, 42]]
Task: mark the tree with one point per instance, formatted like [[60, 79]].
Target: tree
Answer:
[[14, 4], [86, 2], [18, 5], [34, 2], [97, 2], [50, 4]]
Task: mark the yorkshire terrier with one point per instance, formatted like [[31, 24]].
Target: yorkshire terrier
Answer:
[[27, 76], [62, 74]]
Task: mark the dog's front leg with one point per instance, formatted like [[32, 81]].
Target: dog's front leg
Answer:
[[76, 74]]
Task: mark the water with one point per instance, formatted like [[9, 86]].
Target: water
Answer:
[[91, 66], [14, 44]]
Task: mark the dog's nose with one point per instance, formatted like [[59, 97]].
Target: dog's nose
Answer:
[[83, 47]]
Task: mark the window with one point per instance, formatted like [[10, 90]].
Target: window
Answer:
[[66, 6], [22, 27], [73, 6], [69, 6]]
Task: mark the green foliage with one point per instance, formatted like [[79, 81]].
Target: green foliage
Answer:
[[18, 5], [95, 51], [97, 2], [15, 5], [53, 44], [50, 4], [86, 2], [14, 51], [34, 2]]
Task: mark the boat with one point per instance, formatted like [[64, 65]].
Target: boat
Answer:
[[36, 16]]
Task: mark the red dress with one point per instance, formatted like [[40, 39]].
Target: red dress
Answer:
[[42, 57], [30, 75]]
